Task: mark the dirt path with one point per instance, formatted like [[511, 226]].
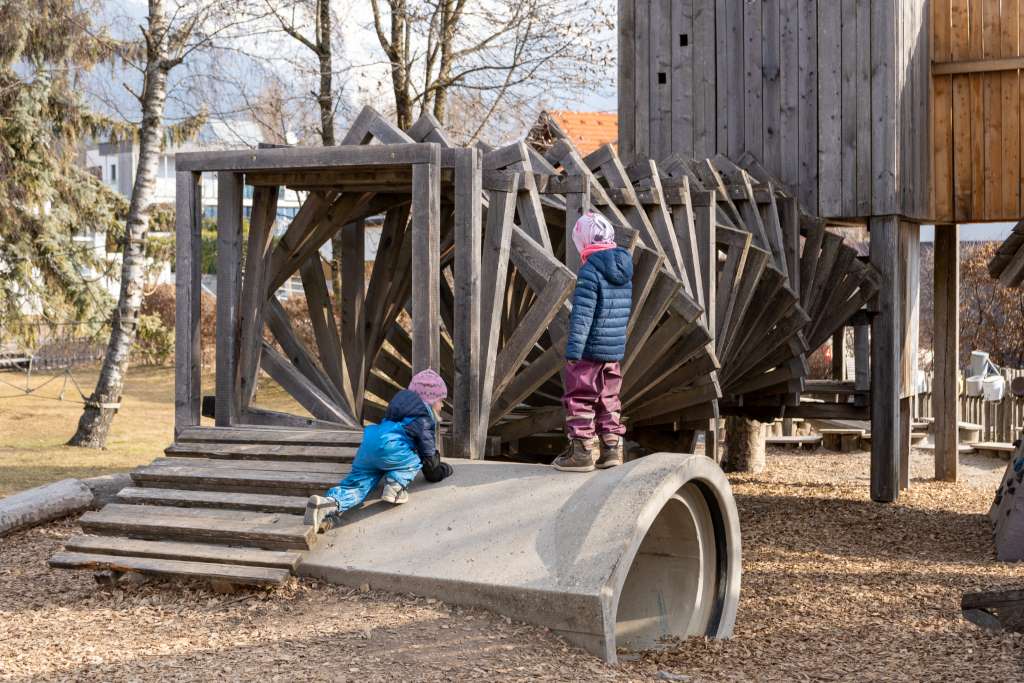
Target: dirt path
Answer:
[[835, 588]]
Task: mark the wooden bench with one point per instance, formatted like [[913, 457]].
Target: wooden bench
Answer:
[[842, 440], [995, 449], [810, 441]]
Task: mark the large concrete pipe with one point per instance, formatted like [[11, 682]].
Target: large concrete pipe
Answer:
[[614, 558]]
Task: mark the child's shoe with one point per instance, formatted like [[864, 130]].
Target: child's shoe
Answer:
[[611, 452], [579, 457], [318, 507], [394, 493], [331, 521]]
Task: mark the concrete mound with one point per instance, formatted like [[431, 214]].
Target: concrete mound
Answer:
[[613, 559]]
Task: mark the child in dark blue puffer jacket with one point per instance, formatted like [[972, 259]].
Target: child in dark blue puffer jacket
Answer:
[[395, 450], [592, 377]]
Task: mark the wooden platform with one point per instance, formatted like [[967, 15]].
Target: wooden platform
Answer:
[[995, 449], [223, 505], [809, 441]]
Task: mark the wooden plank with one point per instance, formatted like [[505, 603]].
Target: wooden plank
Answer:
[[187, 342], [729, 18], [705, 115], [961, 114], [229, 265], [353, 307], [885, 362], [992, 104], [306, 158], [685, 97], [273, 531], [628, 74], [942, 114], [884, 150], [334, 468], [259, 451], [467, 437], [325, 328], [188, 552], [254, 288], [977, 104], [240, 481], [789, 78], [342, 437], [753, 81], [1009, 85], [807, 109], [295, 350], [848, 56], [660, 38], [256, 502], [319, 404], [255, 576], [771, 58], [830, 104], [977, 66], [945, 390], [426, 273]]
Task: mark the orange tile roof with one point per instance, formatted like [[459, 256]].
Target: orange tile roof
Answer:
[[588, 130]]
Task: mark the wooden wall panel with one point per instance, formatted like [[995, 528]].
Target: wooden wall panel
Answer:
[[832, 97], [977, 137]]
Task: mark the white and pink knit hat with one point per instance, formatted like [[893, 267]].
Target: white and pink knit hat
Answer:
[[429, 385]]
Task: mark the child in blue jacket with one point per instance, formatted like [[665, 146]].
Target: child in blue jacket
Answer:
[[395, 450], [592, 377]]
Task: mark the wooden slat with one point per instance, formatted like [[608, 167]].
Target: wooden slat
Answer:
[[188, 354], [342, 437], [229, 264], [328, 467], [426, 273], [306, 393], [467, 438], [253, 297], [257, 502], [258, 529], [256, 576], [627, 77], [325, 330], [186, 552], [353, 301], [257, 451], [830, 149]]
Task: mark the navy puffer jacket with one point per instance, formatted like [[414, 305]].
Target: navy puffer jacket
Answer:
[[601, 306], [421, 428]]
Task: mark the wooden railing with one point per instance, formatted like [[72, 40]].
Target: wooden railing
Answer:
[[1000, 421]]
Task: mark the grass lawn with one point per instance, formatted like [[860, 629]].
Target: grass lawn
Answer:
[[33, 429]]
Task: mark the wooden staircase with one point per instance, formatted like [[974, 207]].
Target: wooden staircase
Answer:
[[225, 504]]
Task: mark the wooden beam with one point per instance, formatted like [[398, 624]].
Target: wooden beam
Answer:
[[187, 344], [229, 273], [426, 267], [975, 66], [885, 361], [254, 296], [945, 392], [467, 437]]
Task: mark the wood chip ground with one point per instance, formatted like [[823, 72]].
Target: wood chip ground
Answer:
[[835, 588]]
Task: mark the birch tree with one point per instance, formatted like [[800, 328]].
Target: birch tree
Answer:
[[170, 35]]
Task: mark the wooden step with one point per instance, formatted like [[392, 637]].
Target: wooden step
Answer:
[[232, 573], [334, 468], [270, 435], [273, 531], [257, 451], [256, 502], [203, 478], [808, 441], [190, 552]]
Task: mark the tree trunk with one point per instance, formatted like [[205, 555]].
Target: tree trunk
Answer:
[[325, 100], [94, 425], [744, 445], [444, 72]]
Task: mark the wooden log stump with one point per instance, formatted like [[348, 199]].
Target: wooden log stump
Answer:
[[744, 445], [43, 504]]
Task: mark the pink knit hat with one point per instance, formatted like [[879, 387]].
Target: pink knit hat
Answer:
[[592, 228], [429, 385]]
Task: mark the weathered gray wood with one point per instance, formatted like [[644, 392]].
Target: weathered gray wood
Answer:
[[353, 300], [884, 111], [295, 350], [188, 354], [335, 468], [945, 393], [325, 329], [273, 531], [256, 502], [309, 396], [789, 85], [43, 504], [643, 83], [426, 272], [341, 437], [260, 451], [885, 362], [771, 81], [229, 258], [185, 552], [684, 97], [467, 437], [307, 158], [236, 574], [627, 75], [240, 481], [753, 80], [253, 297]]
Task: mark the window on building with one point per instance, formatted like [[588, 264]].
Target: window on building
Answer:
[[113, 172], [209, 211]]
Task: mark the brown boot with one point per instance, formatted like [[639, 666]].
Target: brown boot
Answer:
[[611, 452], [579, 457]]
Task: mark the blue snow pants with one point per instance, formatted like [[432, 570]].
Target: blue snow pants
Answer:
[[386, 451]]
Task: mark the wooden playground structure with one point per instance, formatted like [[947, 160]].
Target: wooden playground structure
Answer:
[[726, 186]]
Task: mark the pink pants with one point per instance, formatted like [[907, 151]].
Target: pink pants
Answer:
[[591, 398]]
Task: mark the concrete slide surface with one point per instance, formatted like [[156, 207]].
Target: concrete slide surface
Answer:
[[611, 559]]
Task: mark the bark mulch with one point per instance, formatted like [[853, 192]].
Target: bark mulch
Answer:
[[835, 587]]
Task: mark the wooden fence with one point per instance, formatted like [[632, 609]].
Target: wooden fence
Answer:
[[1000, 421]]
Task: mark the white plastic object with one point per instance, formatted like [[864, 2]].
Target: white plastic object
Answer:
[[993, 387], [974, 385]]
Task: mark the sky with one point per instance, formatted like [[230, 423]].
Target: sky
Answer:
[[974, 232]]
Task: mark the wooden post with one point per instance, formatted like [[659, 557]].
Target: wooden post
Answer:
[[466, 434], [426, 267], [187, 352], [947, 351], [885, 361], [229, 271], [705, 220], [576, 204], [353, 306], [905, 427], [838, 355]]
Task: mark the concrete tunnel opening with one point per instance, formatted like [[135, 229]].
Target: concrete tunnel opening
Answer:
[[674, 586]]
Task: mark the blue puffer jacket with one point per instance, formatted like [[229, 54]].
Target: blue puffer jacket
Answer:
[[601, 306], [420, 426]]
